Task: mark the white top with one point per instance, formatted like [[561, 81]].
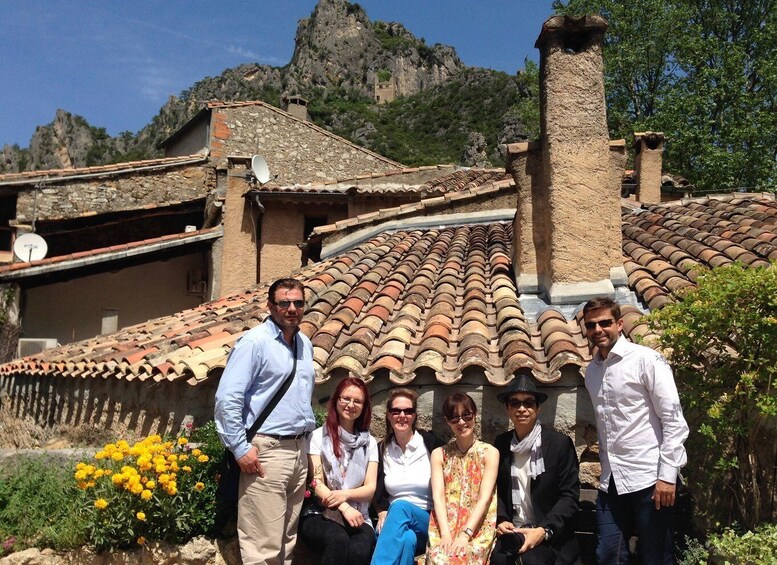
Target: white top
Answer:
[[314, 448], [407, 474], [639, 418], [524, 508]]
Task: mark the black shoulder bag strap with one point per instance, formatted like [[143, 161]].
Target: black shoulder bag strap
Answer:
[[251, 432]]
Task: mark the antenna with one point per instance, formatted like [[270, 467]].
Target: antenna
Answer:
[[30, 247], [260, 169]]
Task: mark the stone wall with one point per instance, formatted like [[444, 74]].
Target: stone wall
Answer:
[[296, 151], [92, 411], [125, 191]]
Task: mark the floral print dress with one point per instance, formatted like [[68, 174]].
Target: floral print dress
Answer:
[[463, 475]]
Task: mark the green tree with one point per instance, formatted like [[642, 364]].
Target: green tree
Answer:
[[721, 337], [702, 71]]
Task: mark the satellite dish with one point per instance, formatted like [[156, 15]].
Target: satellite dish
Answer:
[[30, 247], [260, 169]]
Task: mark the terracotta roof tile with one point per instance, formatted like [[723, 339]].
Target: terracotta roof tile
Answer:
[[431, 301]]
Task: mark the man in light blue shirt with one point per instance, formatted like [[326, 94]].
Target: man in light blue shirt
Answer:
[[274, 465]]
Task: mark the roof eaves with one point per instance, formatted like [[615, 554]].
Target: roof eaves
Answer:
[[114, 253]]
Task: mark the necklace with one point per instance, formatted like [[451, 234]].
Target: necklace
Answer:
[[464, 452]]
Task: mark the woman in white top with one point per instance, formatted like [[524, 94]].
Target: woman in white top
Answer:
[[403, 497], [343, 459]]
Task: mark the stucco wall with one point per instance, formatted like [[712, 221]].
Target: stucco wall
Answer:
[[72, 310], [282, 227], [576, 162], [238, 266], [294, 151], [69, 199]]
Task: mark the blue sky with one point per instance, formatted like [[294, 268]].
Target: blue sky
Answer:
[[116, 62]]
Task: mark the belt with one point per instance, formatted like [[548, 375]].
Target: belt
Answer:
[[275, 436]]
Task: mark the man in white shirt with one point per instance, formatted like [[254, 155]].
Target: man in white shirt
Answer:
[[641, 431]]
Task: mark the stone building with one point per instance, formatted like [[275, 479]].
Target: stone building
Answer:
[[157, 225]]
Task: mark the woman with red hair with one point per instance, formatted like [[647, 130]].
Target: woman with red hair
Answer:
[[343, 459]]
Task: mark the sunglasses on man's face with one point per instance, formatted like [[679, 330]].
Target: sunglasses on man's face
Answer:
[[398, 411], [602, 324], [529, 403], [467, 417], [286, 303]]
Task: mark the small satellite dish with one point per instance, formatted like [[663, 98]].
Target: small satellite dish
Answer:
[[260, 169], [30, 247]]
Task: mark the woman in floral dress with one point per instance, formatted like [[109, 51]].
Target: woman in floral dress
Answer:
[[462, 527]]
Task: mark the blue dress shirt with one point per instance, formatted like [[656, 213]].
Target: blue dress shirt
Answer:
[[256, 368]]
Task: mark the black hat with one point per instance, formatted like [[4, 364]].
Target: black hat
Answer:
[[522, 383]]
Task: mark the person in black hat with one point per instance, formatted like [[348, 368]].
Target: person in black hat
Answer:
[[538, 486]]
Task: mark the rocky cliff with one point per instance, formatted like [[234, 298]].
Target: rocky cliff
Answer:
[[338, 56]]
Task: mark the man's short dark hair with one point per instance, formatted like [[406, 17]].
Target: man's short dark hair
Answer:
[[287, 284], [603, 303]]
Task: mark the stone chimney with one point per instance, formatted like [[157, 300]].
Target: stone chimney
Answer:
[[295, 105], [648, 150], [567, 245]]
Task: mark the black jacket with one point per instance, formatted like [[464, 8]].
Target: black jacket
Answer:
[[380, 500], [554, 494]]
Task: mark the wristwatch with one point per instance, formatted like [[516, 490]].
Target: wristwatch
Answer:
[[548, 533], [469, 532]]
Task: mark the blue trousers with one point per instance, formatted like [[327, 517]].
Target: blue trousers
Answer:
[[618, 515], [404, 533]]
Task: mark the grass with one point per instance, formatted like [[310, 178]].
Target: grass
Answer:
[[39, 504]]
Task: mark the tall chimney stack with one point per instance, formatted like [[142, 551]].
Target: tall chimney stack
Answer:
[[648, 150], [573, 176]]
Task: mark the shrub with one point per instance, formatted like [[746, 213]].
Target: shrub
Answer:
[[154, 489], [39, 505], [722, 337], [731, 547]]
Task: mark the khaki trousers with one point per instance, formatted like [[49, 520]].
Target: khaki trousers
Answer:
[[268, 508]]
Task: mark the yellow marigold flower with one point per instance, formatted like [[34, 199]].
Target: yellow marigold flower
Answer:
[[82, 485], [145, 466], [161, 469], [187, 468], [150, 484], [141, 540], [182, 441], [121, 444], [117, 456], [90, 484], [80, 466], [172, 457], [80, 475], [156, 438], [101, 504], [199, 486], [89, 469], [117, 479], [137, 489], [146, 494], [203, 458], [196, 452], [171, 489], [110, 448], [163, 478], [174, 467], [183, 457], [100, 455], [141, 516], [99, 473]]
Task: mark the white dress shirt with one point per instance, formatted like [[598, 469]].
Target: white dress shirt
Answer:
[[408, 473], [639, 418]]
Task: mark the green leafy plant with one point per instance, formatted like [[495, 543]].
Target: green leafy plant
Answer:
[[721, 337], [39, 505], [757, 547]]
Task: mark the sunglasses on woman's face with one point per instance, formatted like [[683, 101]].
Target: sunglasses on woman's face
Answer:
[[467, 417], [398, 411]]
